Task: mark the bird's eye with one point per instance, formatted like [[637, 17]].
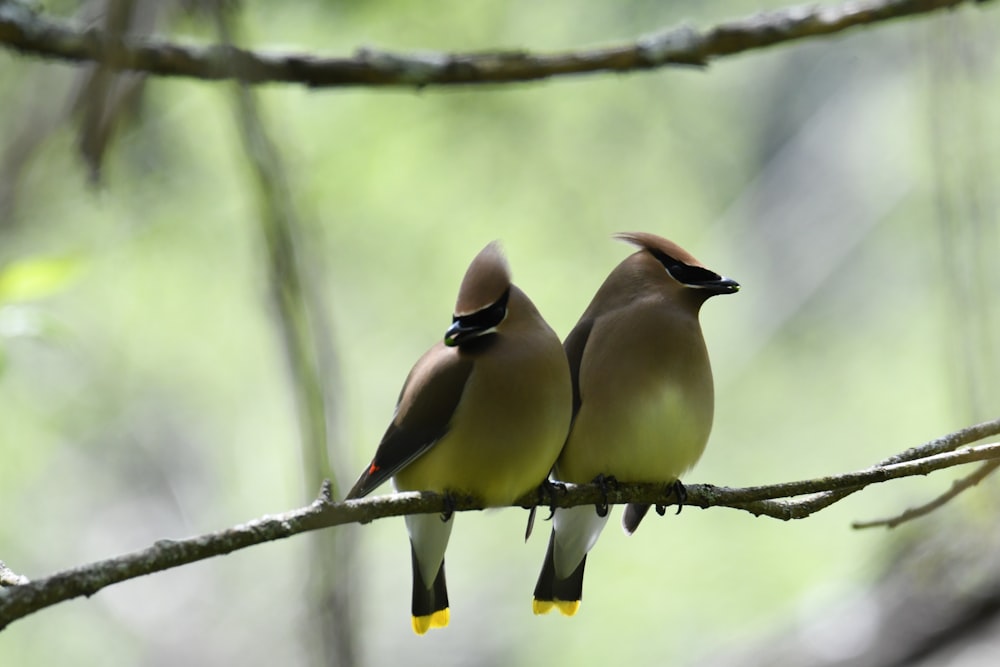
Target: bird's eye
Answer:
[[488, 317], [685, 273], [693, 275]]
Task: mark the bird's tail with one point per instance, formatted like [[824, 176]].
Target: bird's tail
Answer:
[[554, 593], [634, 512], [430, 602]]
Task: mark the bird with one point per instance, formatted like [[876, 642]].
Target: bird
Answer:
[[483, 413], [643, 398]]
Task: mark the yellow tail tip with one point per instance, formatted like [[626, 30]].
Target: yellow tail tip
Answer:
[[439, 619], [565, 607], [542, 606]]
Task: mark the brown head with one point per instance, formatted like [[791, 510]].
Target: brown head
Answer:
[[482, 298], [680, 265]]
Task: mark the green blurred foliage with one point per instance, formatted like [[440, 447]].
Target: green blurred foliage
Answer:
[[808, 172], [36, 277]]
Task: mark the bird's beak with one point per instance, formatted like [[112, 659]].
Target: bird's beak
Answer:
[[721, 286], [458, 333]]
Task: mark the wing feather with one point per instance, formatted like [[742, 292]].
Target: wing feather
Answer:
[[427, 402]]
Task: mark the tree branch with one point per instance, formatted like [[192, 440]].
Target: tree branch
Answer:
[[957, 487], [945, 443], [24, 30], [21, 600]]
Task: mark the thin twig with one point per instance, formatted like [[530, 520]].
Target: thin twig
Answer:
[[19, 601], [957, 487], [766, 499], [945, 443], [24, 30]]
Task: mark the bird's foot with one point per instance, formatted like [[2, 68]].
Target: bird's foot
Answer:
[[547, 492], [605, 483], [678, 490], [449, 507]]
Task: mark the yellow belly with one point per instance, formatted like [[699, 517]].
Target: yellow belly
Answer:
[[653, 437], [505, 436], [646, 397]]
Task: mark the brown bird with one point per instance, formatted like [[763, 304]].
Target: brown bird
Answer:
[[484, 413], [642, 397]]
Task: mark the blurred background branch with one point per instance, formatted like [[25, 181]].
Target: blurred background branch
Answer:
[[23, 29], [20, 601], [307, 340]]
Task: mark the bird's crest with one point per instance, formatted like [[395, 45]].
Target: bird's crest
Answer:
[[485, 281]]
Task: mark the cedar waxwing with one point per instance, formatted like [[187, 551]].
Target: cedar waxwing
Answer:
[[483, 413], [642, 397]]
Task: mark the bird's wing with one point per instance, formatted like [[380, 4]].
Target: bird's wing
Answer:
[[574, 345], [426, 404]]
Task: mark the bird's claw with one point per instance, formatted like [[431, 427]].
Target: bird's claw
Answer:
[[549, 489], [680, 492], [449, 507], [604, 482], [546, 490]]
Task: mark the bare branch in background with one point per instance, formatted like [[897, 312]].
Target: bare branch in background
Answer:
[[28, 32], [305, 337], [101, 100], [19, 601]]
